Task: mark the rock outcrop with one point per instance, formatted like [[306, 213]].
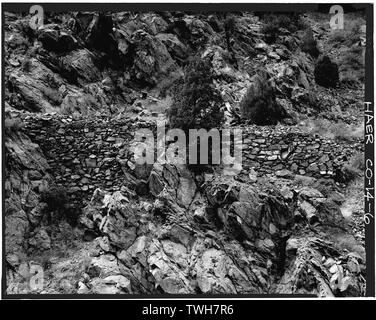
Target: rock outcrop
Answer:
[[86, 154], [241, 241], [83, 212], [26, 175]]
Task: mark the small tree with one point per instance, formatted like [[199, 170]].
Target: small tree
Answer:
[[59, 205], [196, 101], [229, 25], [56, 198], [272, 25], [259, 103], [309, 44], [326, 72], [13, 125]]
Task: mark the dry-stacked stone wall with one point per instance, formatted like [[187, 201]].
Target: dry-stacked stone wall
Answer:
[[86, 154], [269, 150]]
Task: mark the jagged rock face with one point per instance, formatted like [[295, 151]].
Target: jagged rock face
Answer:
[[223, 236], [54, 40], [160, 228], [81, 64], [312, 274], [258, 246], [26, 176], [147, 49], [176, 49], [96, 29], [152, 62], [88, 154], [69, 59]]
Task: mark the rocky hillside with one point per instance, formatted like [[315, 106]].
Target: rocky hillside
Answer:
[[79, 207]]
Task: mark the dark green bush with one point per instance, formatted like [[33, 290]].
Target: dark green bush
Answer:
[[259, 103], [196, 101], [309, 44], [315, 102], [357, 161], [55, 198], [351, 66], [347, 174], [348, 36], [59, 205], [215, 23], [229, 26], [326, 72], [351, 170], [339, 131], [272, 25], [26, 64], [13, 125], [274, 22]]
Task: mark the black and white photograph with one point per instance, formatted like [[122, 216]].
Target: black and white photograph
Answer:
[[187, 150]]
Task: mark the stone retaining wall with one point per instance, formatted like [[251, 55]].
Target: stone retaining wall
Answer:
[[84, 154], [90, 153], [268, 151]]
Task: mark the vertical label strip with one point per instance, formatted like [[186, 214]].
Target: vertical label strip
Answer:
[[369, 180]]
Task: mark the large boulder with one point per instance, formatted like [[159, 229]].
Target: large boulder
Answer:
[[81, 64], [26, 176], [56, 40], [177, 50], [176, 180], [37, 89], [113, 217], [193, 31], [316, 267], [96, 30], [151, 60]]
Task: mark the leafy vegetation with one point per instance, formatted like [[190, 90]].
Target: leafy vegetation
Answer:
[[58, 205], [273, 24], [326, 72], [352, 169], [13, 125], [196, 101], [259, 103], [229, 26], [347, 36], [339, 131], [351, 66], [309, 44]]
